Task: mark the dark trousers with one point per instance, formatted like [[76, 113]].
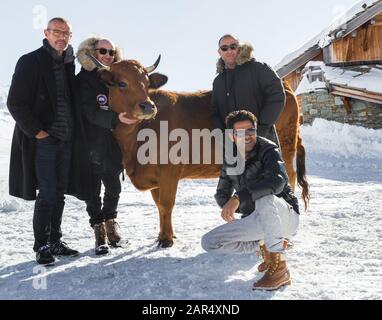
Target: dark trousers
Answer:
[[96, 211], [52, 167]]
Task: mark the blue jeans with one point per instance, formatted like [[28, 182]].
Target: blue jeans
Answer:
[[52, 167]]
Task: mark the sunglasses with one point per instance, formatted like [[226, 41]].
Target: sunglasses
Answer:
[[103, 51], [58, 33], [225, 48], [241, 133]]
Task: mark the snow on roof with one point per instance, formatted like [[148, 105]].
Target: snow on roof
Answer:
[[306, 86], [299, 52], [314, 64], [353, 12], [364, 78], [324, 38]]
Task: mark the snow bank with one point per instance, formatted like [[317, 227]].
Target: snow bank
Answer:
[[3, 101], [342, 140]]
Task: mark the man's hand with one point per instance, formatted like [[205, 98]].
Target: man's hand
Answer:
[[125, 120], [229, 209], [41, 135]]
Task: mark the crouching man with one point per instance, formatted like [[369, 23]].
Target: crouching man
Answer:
[[264, 197]]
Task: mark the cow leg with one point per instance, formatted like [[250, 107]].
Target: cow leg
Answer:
[[165, 201], [290, 170]]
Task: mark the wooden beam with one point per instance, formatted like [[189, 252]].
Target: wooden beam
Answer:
[[366, 37], [347, 105], [360, 95], [357, 91], [349, 49]]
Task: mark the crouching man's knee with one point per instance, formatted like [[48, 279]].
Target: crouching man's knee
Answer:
[[265, 201], [206, 242], [211, 241]]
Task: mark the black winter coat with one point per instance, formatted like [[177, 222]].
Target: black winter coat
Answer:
[[252, 86], [264, 175], [105, 153], [32, 103]]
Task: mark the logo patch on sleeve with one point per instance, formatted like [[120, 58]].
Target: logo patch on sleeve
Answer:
[[102, 99]]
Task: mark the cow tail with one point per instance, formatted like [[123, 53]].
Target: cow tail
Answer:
[[301, 172]]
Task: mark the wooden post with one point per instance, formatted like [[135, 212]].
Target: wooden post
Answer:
[[347, 105]]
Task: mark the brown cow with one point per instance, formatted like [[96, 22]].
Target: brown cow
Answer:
[[133, 90], [288, 129]]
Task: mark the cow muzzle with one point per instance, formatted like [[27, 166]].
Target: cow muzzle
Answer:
[[148, 109]]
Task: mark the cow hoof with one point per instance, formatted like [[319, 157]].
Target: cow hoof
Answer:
[[165, 243]]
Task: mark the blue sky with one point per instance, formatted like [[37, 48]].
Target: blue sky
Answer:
[[184, 32]]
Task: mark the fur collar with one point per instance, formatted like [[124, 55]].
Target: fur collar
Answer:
[[245, 55], [87, 46], [67, 56]]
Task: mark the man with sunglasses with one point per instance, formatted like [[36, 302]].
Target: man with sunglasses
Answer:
[[105, 154], [264, 197], [242, 81], [48, 146]]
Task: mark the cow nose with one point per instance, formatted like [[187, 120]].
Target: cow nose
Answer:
[[147, 107]]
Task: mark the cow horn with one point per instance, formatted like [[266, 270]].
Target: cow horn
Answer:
[[154, 66], [96, 62]]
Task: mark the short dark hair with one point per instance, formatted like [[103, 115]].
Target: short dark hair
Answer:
[[241, 115], [59, 19], [228, 35]]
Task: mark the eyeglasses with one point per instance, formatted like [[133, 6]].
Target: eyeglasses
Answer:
[[241, 133], [225, 48], [103, 51], [58, 33]]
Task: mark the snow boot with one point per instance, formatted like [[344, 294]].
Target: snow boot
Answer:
[[101, 246], [113, 233], [276, 276], [266, 258]]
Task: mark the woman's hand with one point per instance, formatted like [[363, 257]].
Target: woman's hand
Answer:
[[42, 135]]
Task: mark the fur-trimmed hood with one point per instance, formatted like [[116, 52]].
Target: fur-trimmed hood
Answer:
[[245, 55], [87, 46]]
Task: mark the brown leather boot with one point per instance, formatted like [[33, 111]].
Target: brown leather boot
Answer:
[[266, 258], [276, 276], [101, 246], [113, 235]]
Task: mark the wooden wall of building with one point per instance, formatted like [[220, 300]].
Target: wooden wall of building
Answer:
[[294, 78], [365, 45]]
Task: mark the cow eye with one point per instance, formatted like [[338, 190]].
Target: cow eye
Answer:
[[122, 85]]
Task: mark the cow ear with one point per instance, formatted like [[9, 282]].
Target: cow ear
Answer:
[[157, 80], [107, 77]]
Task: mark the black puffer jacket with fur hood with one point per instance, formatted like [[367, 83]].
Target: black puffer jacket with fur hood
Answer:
[[100, 120], [251, 86]]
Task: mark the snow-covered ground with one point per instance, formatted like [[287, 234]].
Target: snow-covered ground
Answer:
[[337, 252]]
